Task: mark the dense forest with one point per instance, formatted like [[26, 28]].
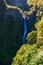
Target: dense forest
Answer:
[[21, 32]]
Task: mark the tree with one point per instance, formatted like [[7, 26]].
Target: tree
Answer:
[[37, 5], [39, 27], [32, 37]]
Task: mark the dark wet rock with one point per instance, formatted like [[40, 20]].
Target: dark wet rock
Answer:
[[2, 9], [11, 32], [31, 20], [17, 15]]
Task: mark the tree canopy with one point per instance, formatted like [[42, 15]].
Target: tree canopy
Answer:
[[35, 2]]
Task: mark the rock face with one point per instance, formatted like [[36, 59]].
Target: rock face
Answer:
[[11, 27], [2, 9], [31, 20], [15, 14]]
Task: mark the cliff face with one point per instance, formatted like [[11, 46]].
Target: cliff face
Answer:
[[2, 9], [11, 27]]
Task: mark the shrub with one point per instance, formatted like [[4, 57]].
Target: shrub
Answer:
[[39, 27], [32, 56], [32, 37], [19, 58]]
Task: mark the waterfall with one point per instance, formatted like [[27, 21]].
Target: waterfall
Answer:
[[25, 30]]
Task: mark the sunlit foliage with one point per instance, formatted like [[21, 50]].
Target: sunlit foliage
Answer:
[[32, 56], [20, 56], [37, 5], [35, 2], [32, 37], [39, 27]]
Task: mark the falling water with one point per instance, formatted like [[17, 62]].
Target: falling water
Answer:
[[25, 30]]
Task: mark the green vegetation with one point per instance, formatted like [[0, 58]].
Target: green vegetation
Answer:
[[31, 56], [39, 27], [32, 37]]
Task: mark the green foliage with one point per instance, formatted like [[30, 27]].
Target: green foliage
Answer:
[[32, 37], [18, 59], [37, 5], [29, 54], [39, 27], [32, 56]]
